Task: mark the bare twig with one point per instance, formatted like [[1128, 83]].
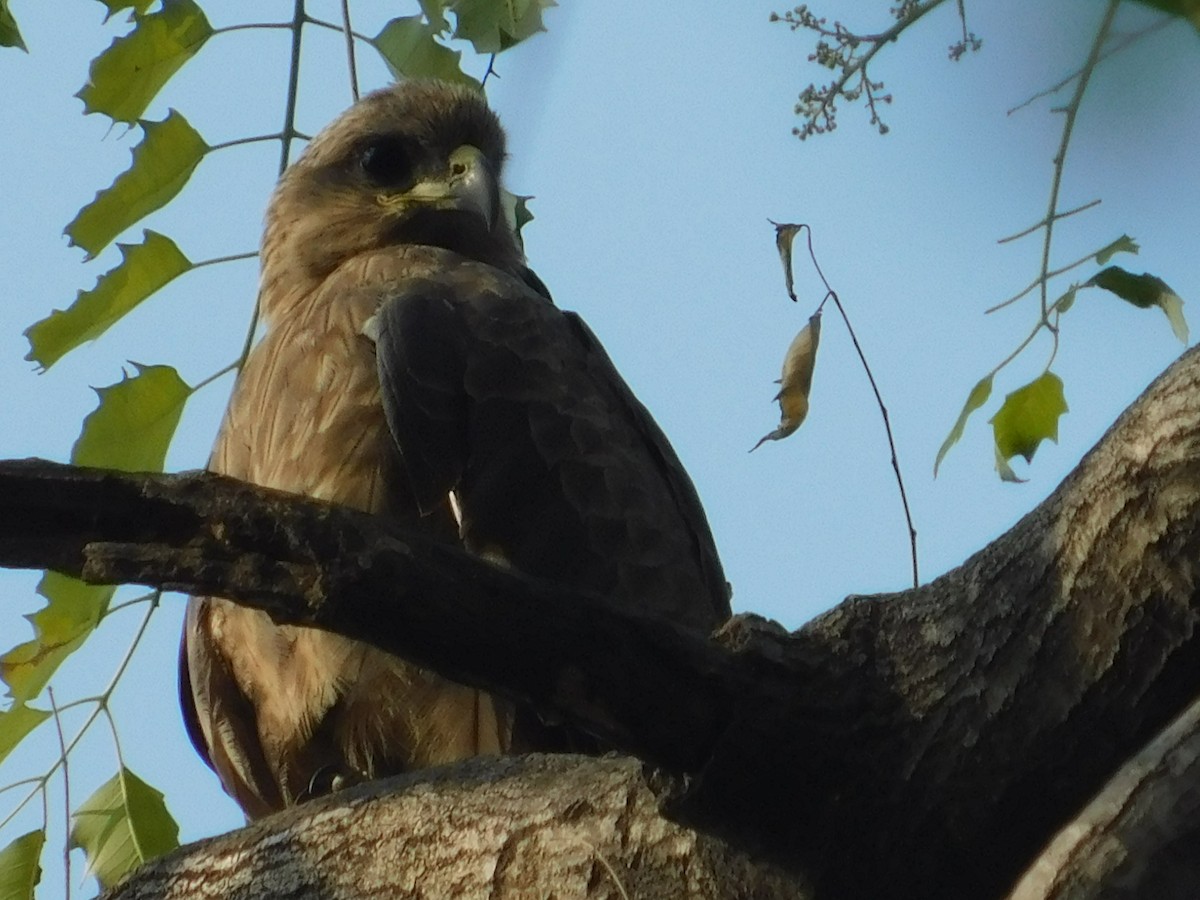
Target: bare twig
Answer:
[[1036, 225], [1060, 158], [349, 34], [62, 749], [831, 294], [1117, 46]]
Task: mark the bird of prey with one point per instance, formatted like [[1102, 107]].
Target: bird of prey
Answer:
[[416, 368]]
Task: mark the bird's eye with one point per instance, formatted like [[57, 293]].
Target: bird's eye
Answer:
[[385, 161]]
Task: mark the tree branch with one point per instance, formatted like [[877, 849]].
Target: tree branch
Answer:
[[921, 744], [567, 827]]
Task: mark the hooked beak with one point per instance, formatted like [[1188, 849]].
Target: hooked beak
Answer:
[[468, 185]]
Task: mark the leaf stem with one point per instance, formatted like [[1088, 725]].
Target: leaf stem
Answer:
[[245, 26], [203, 384], [257, 139], [224, 259], [830, 293], [321, 23]]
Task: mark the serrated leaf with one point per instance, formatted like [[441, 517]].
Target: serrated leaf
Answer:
[[516, 213], [162, 164], [132, 427], [1005, 471], [1172, 307], [1185, 9], [144, 268], [1065, 302], [20, 870], [15, 723], [495, 25], [1123, 244], [979, 395], [10, 35], [1029, 416], [408, 46], [1144, 291], [72, 612], [435, 12], [129, 74], [115, 6], [784, 236], [122, 825], [796, 381]]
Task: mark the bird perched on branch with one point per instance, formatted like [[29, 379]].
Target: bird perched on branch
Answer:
[[416, 368]]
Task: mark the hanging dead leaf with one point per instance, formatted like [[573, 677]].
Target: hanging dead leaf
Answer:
[[784, 235], [796, 381]]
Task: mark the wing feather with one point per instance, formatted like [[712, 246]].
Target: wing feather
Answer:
[[492, 392]]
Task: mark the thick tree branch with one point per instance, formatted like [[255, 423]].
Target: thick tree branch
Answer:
[[921, 744], [566, 827]]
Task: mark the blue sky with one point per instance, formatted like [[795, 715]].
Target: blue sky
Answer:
[[657, 144]]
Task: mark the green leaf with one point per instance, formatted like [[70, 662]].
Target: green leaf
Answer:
[[495, 25], [1006, 472], [129, 74], [1029, 416], [978, 396], [115, 6], [133, 425], [1144, 291], [435, 12], [1185, 9], [19, 868], [516, 213], [1065, 302], [408, 47], [15, 723], [122, 825], [162, 164], [1123, 244], [144, 268], [10, 35], [72, 612]]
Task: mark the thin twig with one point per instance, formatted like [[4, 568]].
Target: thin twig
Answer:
[[1036, 225], [287, 133], [1117, 47], [1072, 111], [877, 42], [349, 34], [62, 749], [99, 701], [830, 293], [491, 70], [1041, 279]]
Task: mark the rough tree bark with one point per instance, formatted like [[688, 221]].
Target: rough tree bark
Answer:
[[923, 744]]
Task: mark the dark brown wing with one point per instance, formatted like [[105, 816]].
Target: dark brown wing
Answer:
[[237, 755], [493, 393]]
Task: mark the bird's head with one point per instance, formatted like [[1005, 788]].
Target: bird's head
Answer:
[[415, 163]]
